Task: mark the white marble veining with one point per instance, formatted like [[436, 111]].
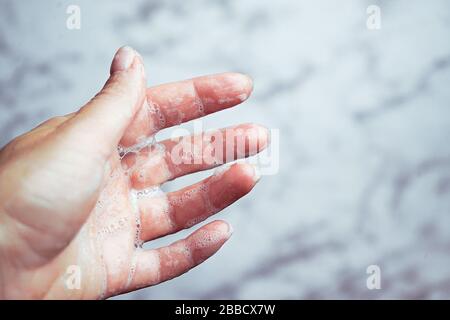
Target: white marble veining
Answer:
[[364, 120]]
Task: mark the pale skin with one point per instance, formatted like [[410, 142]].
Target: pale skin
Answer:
[[69, 198]]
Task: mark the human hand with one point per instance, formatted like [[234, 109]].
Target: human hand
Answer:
[[69, 198]]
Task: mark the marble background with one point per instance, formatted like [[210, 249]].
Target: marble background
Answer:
[[363, 116]]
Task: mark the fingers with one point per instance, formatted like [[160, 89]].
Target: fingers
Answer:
[[156, 266], [174, 103], [173, 158], [184, 208], [101, 123]]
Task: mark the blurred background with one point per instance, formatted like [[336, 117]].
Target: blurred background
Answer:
[[363, 118]]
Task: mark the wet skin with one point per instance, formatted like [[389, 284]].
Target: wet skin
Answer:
[[70, 198]]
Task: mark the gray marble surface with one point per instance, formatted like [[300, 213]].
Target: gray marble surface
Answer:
[[363, 115]]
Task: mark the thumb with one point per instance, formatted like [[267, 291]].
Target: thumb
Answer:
[[101, 123]]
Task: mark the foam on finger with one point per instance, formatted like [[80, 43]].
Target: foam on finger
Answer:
[[158, 265]]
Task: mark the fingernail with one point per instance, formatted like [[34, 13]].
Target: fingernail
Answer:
[[230, 230], [123, 59], [252, 170], [225, 228], [245, 83], [263, 135], [249, 82], [256, 173]]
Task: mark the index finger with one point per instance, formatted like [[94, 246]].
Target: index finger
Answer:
[[173, 103]]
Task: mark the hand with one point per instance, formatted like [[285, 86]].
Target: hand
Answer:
[[70, 202]]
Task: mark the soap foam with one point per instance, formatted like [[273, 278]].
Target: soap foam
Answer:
[[142, 143], [133, 200], [198, 103], [151, 192], [225, 100], [155, 110], [206, 238]]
